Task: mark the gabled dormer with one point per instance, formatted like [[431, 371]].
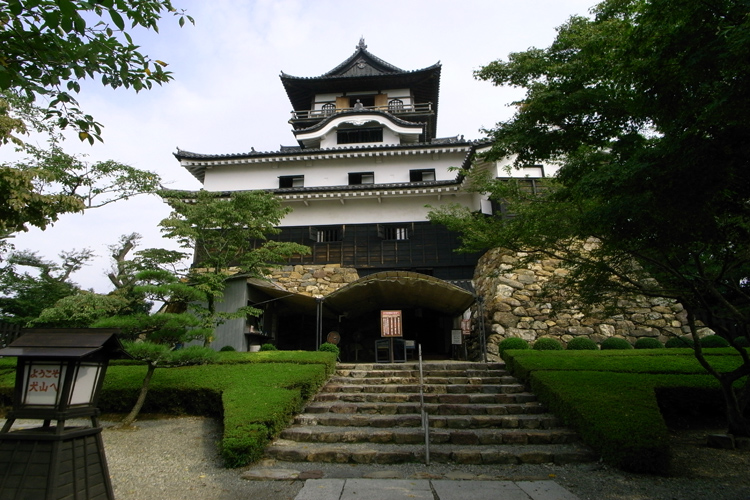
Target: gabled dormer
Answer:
[[364, 100]]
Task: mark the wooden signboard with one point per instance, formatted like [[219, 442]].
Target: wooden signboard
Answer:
[[456, 337], [390, 324]]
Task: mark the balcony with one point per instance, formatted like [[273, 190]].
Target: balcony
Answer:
[[403, 110]]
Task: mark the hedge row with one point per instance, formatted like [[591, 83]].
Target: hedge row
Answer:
[[609, 397], [255, 394]]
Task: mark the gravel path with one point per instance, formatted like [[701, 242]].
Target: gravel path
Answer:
[[176, 458]]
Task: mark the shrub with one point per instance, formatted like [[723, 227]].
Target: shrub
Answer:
[[193, 355], [616, 343], [648, 343], [676, 342], [512, 343], [227, 348], [714, 341], [742, 342], [582, 344], [268, 347], [547, 344], [328, 347]]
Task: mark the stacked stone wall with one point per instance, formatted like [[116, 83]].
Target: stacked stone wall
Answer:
[[314, 280], [509, 284]]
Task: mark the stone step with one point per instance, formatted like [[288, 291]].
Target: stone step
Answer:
[[386, 397], [415, 407], [478, 414], [400, 380], [364, 374], [428, 365], [415, 435], [373, 453], [428, 388], [531, 421]]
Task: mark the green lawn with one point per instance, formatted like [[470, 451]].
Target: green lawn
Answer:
[[255, 394], [609, 397]]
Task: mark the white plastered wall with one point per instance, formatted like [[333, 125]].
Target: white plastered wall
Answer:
[[330, 172]]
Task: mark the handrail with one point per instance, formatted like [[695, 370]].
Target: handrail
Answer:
[[402, 109], [425, 416]]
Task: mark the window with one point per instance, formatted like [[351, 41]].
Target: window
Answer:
[[393, 232], [291, 181], [361, 178], [422, 175], [325, 234], [357, 135], [395, 106], [329, 108], [364, 100]]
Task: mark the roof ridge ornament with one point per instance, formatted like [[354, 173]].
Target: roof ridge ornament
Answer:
[[361, 44]]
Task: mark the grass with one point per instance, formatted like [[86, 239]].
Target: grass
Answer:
[[610, 397], [255, 394]]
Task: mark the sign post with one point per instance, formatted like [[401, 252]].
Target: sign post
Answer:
[[390, 327]]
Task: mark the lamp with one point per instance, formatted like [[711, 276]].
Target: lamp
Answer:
[[59, 376]]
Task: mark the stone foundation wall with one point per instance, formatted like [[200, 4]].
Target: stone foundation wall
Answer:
[[510, 286], [314, 280]]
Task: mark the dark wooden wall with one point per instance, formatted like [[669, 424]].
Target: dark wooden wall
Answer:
[[428, 249]]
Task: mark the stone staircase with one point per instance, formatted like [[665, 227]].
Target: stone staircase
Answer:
[[370, 413]]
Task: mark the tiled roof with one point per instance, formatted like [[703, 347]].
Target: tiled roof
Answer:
[[199, 162], [296, 151], [361, 63]]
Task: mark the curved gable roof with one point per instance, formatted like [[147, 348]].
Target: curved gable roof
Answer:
[[362, 63], [360, 72]]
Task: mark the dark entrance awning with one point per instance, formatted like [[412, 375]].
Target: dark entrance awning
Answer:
[[384, 290], [399, 290]]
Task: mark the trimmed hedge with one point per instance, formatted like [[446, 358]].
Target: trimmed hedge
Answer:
[[711, 341], [512, 343], [648, 343], [616, 343], [609, 397], [254, 401], [582, 344], [547, 344], [679, 342]]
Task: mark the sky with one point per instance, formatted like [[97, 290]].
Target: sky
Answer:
[[226, 96]]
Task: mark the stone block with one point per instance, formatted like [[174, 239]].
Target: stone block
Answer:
[[467, 457], [742, 443], [722, 441], [535, 457], [464, 438]]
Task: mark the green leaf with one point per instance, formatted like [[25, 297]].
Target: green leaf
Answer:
[[117, 19]]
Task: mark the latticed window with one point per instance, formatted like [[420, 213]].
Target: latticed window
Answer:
[[393, 232], [329, 108], [395, 106], [326, 234], [358, 135]]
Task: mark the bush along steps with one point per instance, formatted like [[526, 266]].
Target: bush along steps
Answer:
[[478, 414]]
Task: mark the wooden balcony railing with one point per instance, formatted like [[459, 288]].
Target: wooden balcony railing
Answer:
[[403, 109]]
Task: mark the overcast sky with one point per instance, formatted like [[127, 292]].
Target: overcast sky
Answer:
[[226, 96]]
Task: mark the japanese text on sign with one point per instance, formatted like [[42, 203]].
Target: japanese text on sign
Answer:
[[390, 324], [43, 384]]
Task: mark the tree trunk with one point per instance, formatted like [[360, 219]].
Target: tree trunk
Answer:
[[128, 421], [737, 423]]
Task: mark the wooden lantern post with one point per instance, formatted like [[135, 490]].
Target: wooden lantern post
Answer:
[[59, 376]]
